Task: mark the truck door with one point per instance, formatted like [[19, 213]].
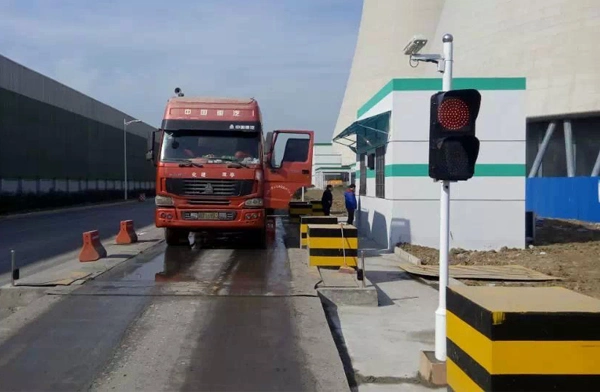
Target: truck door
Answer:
[[288, 166]]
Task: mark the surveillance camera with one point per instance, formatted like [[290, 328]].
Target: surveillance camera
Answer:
[[415, 45]]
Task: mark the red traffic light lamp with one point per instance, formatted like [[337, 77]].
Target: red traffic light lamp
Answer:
[[453, 146]]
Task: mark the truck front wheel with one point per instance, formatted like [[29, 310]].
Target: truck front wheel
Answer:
[[175, 237]]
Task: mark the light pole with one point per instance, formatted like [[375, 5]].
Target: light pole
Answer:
[[444, 62], [440, 313], [125, 124]]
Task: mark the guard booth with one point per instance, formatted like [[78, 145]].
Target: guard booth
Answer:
[[399, 202]]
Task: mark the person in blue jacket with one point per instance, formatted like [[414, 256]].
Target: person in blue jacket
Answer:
[[351, 203]]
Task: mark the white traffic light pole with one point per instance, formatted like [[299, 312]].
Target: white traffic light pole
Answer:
[[444, 63], [440, 313]]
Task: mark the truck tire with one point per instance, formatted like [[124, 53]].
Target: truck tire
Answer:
[[175, 237]]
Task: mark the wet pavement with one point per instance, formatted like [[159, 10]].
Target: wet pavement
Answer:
[[208, 317]]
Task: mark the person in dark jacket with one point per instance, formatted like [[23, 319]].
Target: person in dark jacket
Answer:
[[327, 200], [351, 203]]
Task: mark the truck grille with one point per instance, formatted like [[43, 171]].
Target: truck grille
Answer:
[[213, 202], [208, 187]]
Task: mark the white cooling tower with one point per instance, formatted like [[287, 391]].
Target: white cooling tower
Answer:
[[385, 28], [553, 43]]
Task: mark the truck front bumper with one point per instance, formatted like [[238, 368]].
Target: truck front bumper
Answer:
[[210, 219]]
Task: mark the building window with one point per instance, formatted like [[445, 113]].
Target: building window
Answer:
[[380, 172], [363, 176]]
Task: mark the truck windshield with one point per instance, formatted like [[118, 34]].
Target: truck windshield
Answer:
[[211, 146]]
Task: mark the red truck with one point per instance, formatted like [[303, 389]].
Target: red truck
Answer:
[[216, 172]]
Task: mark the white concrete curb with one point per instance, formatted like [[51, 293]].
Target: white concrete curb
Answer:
[[405, 256]]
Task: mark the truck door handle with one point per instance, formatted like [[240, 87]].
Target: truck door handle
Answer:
[[305, 171]]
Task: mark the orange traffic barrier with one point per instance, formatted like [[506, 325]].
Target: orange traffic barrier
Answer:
[[127, 233], [92, 249]]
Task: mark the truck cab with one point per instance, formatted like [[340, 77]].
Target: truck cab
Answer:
[[218, 172]]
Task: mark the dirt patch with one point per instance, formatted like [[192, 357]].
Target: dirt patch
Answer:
[[339, 206], [566, 249]]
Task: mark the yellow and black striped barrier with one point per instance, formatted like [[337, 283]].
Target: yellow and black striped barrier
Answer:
[[522, 339], [332, 245], [306, 220], [317, 208], [297, 208]]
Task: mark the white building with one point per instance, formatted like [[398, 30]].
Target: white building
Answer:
[[327, 166], [550, 43], [553, 43], [398, 202]]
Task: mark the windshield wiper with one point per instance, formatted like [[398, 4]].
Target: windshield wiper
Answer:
[[188, 163], [233, 161]]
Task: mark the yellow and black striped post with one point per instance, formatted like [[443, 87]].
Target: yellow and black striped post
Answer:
[[332, 245], [317, 208], [522, 339], [306, 220], [297, 208]]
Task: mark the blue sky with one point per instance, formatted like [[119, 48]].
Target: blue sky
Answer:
[[294, 56]]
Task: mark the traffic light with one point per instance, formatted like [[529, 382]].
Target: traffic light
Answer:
[[453, 147]]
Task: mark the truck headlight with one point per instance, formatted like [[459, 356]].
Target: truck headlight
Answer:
[[254, 202], [163, 201]]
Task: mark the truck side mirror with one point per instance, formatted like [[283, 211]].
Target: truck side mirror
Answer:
[[150, 154], [268, 142], [268, 153]]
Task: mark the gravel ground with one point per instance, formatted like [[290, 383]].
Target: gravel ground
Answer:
[[566, 249], [338, 208]]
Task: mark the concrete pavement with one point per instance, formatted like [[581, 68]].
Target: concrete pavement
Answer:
[[224, 317], [54, 238], [249, 324], [381, 345]]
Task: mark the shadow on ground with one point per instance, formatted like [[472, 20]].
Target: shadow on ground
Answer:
[[557, 231]]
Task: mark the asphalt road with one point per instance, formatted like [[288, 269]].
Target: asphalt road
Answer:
[[200, 318], [41, 237]]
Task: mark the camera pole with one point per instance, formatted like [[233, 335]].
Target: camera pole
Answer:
[[440, 313]]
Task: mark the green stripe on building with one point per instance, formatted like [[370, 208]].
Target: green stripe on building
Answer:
[[422, 170], [435, 84], [500, 170], [407, 170]]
